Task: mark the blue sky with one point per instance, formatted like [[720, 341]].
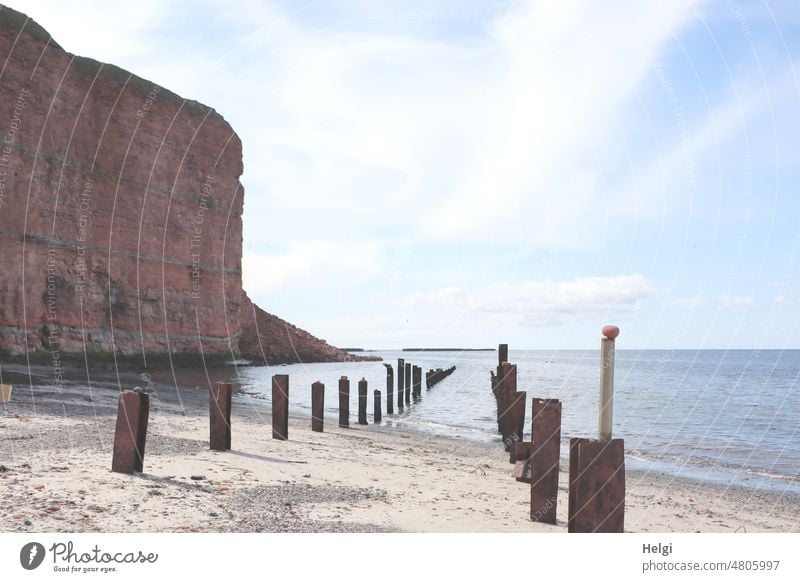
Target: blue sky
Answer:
[[474, 172]]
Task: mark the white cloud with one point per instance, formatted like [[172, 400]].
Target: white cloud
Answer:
[[783, 300], [536, 301], [311, 264], [691, 302], [736, 303], [563, 68]]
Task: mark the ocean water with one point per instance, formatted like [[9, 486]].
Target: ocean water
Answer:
[[727, 416]]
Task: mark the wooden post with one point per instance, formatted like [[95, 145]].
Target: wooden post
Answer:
[[344, 402], [219, 404], [417, 379], [596, 486], [545, 458], [506, 386], [389, 389], [607, 382], [401, 371], [502, 354], [407, 388], [280, 407], [317, 406], [376, 406], [130, 436], [362, 401], [515, 424]]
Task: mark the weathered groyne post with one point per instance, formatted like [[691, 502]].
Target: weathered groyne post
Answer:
[[407, 388], [376, 406], [401, 371], [597, 466], [362, 401], [545, 456], [417, 375], [497, 386], [515, 419], [317, 406], [389, 389], [280, 407], [344, 402], [506, 386], [130, 435], [219, 408]]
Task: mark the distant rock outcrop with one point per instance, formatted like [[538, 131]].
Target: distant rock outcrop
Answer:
[[120, 217], [267, 339]]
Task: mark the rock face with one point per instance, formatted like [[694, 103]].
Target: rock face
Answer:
[[120, 214], [267, 339]]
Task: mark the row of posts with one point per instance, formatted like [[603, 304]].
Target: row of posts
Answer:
[[596, 501], [134, 406]]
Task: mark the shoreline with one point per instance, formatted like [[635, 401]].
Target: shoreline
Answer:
[[55, 453]]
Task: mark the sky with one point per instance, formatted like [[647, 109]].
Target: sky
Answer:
[[464, 173]]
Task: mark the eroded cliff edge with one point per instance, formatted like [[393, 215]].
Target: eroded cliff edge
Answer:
[[121, 218]]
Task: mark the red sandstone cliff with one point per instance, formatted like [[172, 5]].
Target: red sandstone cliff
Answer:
[[120, 216]]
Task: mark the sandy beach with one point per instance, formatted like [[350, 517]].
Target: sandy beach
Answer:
[[55, 460]]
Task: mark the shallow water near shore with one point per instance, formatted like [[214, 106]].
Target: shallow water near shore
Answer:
[[725, 416]]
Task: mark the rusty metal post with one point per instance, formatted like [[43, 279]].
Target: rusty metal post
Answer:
[[344, 402], [389, 389], [515, 419], [596, 486], [317, 406], [376, 406], [506, 386], [362, 401], [545, 458], [219, 405], [401, 371], [502, 354], [130, 436], [407, 388], [417, 378], [280, 407], [498, 388]]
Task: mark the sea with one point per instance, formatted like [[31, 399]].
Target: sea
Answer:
[[731, 417]]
